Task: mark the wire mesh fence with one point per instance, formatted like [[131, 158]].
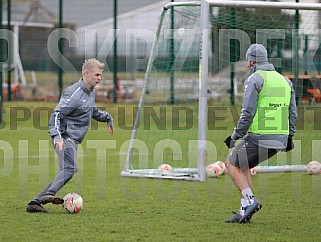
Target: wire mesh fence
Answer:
[[34, 46]]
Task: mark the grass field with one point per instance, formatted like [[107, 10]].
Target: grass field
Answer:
[[129, 209]]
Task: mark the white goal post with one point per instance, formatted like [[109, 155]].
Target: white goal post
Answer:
[[197, 173]]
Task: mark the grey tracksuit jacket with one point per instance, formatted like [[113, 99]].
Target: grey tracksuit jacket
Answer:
[[252, 87], [72, 116]]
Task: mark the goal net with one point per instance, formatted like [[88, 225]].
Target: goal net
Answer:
[[192, 93]]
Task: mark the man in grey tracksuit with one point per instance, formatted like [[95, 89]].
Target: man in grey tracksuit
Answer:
[[68, 126], [266, 126]]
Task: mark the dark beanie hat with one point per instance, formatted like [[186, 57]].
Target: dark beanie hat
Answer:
[[256, 53]]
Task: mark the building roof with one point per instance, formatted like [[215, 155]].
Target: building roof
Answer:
[[28, 12], [139, 18], [78, 12], [136, 25]]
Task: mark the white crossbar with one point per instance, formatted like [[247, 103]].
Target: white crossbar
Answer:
[[261, 4]]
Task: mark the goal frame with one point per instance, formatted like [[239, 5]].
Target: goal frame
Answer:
[[200, 174]]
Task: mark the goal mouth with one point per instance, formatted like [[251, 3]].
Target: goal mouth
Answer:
[[197, 68]]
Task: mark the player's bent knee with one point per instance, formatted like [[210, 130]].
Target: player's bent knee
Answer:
[[71, 170]]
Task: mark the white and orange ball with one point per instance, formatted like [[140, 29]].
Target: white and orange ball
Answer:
[[314, 167], [165, 169], [73, 203], [221, 164], [213, 170]]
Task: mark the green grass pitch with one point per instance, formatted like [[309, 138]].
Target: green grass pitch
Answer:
[[130, 209]]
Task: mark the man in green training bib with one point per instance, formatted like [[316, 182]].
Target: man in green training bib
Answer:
[[266, 126]]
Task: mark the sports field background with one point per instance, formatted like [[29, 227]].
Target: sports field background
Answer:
[[130, 209]]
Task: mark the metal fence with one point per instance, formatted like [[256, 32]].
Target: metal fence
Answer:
[[45, 42]]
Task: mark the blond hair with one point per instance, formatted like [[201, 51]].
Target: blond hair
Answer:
[[91, 63]]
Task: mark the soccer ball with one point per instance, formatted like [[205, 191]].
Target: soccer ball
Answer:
[[73, 203], [165, 169], [213, 170], [314, 168], [253, 171], [221, 164]]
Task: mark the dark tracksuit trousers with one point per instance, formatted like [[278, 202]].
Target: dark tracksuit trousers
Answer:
[[67, 168]]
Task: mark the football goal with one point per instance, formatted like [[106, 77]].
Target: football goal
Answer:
[[192, 93]]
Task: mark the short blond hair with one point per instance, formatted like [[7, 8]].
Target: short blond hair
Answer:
[[91, 63]]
